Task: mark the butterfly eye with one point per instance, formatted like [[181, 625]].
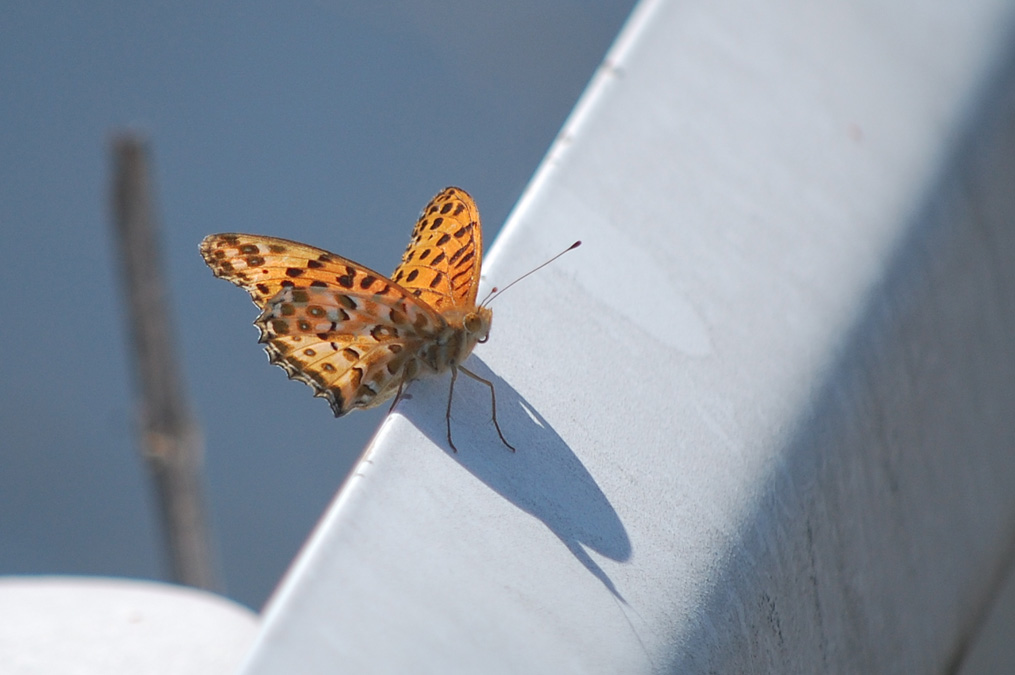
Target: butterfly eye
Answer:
[[473, 323]]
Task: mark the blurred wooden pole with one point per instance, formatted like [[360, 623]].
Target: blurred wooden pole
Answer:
[[170, 438]]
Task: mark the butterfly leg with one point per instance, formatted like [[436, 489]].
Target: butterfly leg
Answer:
[[398, 396], [493, 399], [451, 394]]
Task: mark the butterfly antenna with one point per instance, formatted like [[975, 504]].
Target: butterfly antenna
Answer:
[[494, 292]]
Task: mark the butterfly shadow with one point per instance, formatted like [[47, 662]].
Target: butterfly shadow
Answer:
[[543, 477]]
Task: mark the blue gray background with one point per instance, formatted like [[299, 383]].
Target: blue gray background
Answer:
[[331, 123]]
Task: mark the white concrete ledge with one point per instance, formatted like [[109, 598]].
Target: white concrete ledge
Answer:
[[105, 626], [764, 415]]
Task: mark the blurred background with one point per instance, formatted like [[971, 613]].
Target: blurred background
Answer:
[[327, 122]]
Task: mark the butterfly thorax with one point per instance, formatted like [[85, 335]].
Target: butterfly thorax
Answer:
[[465, 328]]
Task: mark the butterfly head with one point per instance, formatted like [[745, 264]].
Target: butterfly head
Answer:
[[477, 325], [465, 328]]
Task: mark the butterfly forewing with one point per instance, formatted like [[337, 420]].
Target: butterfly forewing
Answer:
[[441, 265], [263, 266]]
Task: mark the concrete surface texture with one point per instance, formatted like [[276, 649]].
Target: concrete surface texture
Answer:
[[762, 415]]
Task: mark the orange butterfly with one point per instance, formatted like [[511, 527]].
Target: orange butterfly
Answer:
[[352, 334]]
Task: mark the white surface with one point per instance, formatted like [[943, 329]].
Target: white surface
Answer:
[[763, 415], [992, 650], [86, 626]]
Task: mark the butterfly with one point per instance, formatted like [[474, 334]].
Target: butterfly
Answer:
[[355, 336]]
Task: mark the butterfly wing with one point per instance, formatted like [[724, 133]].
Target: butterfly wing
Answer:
[[441, 265], [348, 332], [353, 349], [263, 266]]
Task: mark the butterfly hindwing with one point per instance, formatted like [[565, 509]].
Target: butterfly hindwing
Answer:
[[352, 348]]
